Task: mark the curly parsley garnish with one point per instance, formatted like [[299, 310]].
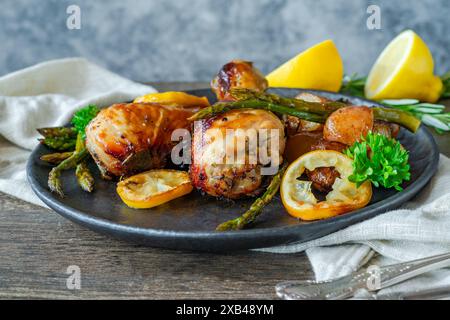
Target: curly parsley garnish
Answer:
[[82, 117], [381, 160]]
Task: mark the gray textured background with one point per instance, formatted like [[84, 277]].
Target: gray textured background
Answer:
[[171, 40]]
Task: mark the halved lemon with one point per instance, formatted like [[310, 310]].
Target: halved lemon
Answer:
[[174, 97], [153, 188], [404, 70], [299, 200], [319, 67]]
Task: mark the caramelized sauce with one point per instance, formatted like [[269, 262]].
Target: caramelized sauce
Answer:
[[300, 144]]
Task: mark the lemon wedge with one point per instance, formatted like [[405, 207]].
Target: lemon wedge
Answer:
[[404, 70], [174, 97], [153, 188], [319, 67]]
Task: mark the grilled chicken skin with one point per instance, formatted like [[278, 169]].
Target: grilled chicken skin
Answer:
[[237, 74], [212, 174], [128, 138]]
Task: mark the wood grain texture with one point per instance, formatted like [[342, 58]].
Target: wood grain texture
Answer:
[[37, 246]]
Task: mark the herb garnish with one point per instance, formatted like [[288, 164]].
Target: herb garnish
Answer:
[[82, 117], [381, 160]]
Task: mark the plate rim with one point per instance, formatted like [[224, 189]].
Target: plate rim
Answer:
[[368, 212]]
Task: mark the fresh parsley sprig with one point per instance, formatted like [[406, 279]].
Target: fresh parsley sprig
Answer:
[[82, 117], [381, 160]]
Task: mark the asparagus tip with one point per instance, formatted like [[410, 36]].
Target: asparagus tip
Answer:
[[54, 183]]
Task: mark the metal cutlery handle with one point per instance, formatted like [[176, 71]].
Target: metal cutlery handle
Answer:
[[397, 273], [340, 288], [439, 293], [371, 279]]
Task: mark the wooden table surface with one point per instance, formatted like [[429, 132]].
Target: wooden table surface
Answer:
[[37, 246]]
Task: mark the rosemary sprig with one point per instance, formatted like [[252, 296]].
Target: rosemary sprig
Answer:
[[353, 85], [446, 81], [432, 115]]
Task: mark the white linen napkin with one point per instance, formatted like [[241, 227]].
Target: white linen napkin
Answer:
[[418, 229], [47, 95]]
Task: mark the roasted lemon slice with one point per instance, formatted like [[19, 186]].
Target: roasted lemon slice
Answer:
[[299, 200], [152, 188], [174, 97]]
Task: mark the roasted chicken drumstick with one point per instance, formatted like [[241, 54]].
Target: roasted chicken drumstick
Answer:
[[129, 138], [237, 74], [211, 173]]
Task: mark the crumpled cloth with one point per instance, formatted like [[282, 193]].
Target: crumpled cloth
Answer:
[[419, 229], [46, 95]]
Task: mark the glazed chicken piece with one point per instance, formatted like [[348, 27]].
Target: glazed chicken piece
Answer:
[[295, 125], [237, 74], [128, 138], [323, 178], [212, 174]]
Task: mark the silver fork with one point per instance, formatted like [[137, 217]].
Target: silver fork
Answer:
[[346, 287]]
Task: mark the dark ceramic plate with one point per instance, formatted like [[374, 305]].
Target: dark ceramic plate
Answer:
[[188, 223]]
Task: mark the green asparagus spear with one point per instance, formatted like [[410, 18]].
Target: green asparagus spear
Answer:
[[80, 144], [222, 107], [300, 105], [318, 112], [400, 117], [58, 132], [403, 118], [54, 181], [58, 138], [56, 158], [60, 144], [256, 207], [84, 177]]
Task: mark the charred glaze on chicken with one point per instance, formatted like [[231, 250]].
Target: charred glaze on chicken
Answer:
[[130, 138]]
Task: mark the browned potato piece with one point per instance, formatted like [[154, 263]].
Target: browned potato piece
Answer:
[[347, 125], [387, 129], [237, 74]]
